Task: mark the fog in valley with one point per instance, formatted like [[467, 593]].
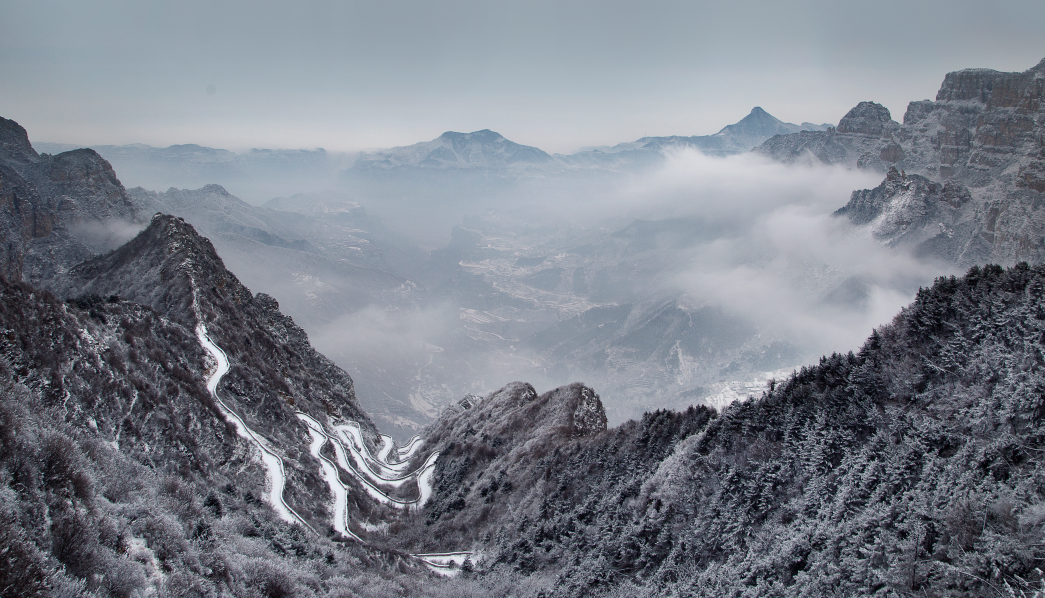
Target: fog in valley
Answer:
[[677, 279]]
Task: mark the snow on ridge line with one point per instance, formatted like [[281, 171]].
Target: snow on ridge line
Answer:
[[275, 475], [446, 564], [387, 444], [410, 448]]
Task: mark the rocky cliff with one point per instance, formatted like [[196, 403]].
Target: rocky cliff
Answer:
[[58, 210], [981, 142]]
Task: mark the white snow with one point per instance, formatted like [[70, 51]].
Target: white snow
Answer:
[[351, 443], [444, 563], [337, 488], [370, 471], [410, 448], [730, 392], [382, 471], [275, 477]]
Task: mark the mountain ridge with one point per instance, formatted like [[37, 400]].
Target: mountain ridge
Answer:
[[910, 467]]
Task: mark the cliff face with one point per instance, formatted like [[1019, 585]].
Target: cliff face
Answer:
[[864, 138], [983, 137], [57, 210]]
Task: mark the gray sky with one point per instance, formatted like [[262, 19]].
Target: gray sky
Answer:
[[560, 75]]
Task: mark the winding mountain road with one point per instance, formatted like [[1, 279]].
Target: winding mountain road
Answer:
[[275, 474], [370, 471]]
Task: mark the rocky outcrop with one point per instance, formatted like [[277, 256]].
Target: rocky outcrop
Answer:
[[864, 138], [914, 211], [868, 119], [57, 210], [982, 138], [488, 451]]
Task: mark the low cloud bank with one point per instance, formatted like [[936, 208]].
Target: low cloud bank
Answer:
[[781, 259]]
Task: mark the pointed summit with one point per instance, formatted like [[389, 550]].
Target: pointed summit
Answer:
[[15, 148], [737, 138], [176, 271], [160, 268], [756, 127]]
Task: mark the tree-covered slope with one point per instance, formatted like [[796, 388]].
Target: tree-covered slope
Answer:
[[908, 468]]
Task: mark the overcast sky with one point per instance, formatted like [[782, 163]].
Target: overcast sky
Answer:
[[347, 75]]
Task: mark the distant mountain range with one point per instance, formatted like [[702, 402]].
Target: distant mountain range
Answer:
[[164, 431], [740, 137], [481, 149], [197, 160], [256, 176], [191, 166], [487, 150]]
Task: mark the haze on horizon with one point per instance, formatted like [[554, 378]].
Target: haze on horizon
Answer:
[[355, 75]]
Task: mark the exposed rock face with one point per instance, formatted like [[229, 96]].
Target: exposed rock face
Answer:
[[982, 138], [864, 138], [589, 417], [57, 210], [912, 210], [869, 119]]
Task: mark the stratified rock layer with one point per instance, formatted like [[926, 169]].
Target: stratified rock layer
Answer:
[[983, 139]]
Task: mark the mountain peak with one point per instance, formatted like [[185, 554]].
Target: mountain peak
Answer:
[[867, 118], [483, 149], [177, 272], [483, 135], [160, 268], [755, 128], [14, 143]]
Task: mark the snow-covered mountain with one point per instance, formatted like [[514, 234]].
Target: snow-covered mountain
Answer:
[[965, 174], [166, 431], [468, 151], [737, 138], [489, 151]]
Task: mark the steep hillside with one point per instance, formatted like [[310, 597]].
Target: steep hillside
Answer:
[[321, 260], [173, 270], [120, 476], [909, 468]]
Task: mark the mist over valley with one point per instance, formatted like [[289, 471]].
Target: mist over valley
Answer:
[[521, 301]]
